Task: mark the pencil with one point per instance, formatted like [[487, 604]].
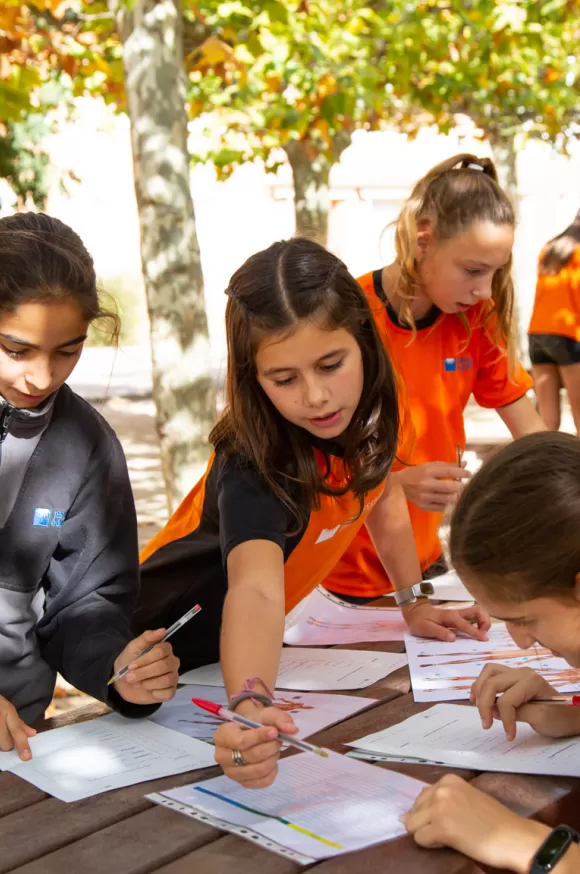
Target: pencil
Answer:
[[173, 628], [458, 455]]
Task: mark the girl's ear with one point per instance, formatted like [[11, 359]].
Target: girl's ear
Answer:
[[423, 240]]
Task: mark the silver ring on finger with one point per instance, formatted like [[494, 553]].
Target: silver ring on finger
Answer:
[[237, 758]]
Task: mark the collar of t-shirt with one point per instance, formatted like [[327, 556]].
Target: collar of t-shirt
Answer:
[[420, 324]]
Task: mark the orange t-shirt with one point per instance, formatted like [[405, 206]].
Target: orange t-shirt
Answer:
[[557, 302], [440, 368]]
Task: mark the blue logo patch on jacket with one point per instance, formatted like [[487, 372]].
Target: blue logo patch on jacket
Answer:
[[45, 517], [454, 364]]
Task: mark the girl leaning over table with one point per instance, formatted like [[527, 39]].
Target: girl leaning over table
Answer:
[[302, 455]]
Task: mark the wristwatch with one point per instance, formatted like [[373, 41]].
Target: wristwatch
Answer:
[[411, 593], [553, 849]]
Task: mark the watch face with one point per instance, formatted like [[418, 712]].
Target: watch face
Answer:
[[553, 848]]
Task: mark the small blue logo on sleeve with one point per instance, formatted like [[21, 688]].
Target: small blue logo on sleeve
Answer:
[[450, 364], [45, 517]]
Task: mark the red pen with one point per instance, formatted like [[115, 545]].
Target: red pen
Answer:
[[229, 716], [569, 700]]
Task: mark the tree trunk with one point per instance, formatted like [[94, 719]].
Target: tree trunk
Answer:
[[506, 159], [183, 390], [311, 186]]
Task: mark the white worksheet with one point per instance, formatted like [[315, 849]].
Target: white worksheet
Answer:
[[443, 671], [310, 712], [323, 620], [77, 761], [315, 808], [311, 670], [451, 734]]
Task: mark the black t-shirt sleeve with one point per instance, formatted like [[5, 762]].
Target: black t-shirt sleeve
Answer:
[[248, 509]]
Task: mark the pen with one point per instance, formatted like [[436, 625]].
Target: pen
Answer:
[[568, 700], [229, 716], [458, 455], [171, 630]]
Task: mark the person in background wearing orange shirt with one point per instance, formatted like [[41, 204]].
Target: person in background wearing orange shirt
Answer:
[[445, 316], [554, 332]]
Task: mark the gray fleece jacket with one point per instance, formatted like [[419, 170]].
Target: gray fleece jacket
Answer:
[[68, 553]]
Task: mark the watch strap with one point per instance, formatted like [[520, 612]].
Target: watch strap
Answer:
[[411, 593], [553, 849]]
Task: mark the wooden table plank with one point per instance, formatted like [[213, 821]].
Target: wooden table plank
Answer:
[[21, 844], [136, 845], [16, 794], [227, 855]]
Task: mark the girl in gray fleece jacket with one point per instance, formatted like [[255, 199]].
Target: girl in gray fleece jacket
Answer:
[[68, 531]]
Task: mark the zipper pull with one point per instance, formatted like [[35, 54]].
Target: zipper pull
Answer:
[[4, 421]]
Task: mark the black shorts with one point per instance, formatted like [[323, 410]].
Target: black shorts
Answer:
[[553, 349]]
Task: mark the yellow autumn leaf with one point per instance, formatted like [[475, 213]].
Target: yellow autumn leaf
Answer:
[[212, 52], [10, 17]]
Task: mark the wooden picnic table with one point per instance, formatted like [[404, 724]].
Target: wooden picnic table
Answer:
[[121, 832]]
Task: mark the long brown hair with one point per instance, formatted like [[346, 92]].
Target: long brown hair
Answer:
[[450, 197], [558, 252], [42, 259], [515, 529], [276, 289]]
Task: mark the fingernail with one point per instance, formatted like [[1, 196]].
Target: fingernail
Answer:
[[26, 755], [403, 818], [484, 724], [273, 733], [132, 667]]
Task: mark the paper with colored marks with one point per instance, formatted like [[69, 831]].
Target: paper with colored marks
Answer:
[[321, 619], [442, 671], [310, 712], [315, 808]]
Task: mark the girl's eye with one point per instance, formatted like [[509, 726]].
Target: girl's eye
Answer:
[[69, 354], [328, 367], [13, 353], [473, 271], [287, 381]]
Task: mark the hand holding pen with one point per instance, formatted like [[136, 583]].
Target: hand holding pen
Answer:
[[146, 672], [515, 695]]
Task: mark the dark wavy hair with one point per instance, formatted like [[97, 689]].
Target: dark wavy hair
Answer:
[[514, 532], [558, 252], [42, 259], [276, 289]]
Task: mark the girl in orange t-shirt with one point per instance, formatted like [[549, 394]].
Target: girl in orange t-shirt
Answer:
[[446, 307], [554, 332]]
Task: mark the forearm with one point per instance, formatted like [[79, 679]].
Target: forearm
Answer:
[[251, 638], [389, 526]]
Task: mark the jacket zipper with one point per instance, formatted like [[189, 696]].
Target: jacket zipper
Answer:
[[4, 422]]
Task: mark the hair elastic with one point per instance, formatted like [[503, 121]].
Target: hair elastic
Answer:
[[471, 166], [248, 693]]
